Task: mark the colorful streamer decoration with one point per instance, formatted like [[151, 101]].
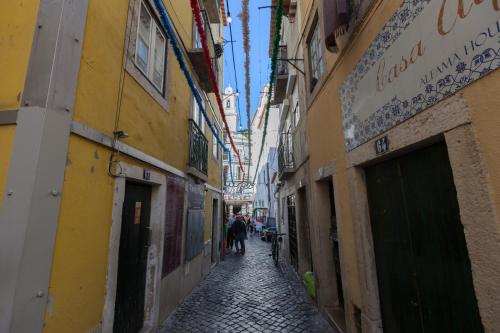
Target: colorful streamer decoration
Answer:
[[245, 18], [167, 25], [199, 24]]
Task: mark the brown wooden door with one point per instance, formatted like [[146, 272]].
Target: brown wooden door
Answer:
[[423, 267], [132, 261], [292, 232]]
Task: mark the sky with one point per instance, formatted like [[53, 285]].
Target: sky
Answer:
[[259, 53]]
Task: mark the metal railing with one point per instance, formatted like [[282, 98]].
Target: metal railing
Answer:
[[198, 148], [285, 151]]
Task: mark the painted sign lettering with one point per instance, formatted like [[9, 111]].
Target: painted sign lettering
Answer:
[[427, 51]]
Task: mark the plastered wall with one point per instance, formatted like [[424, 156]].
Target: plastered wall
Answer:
[[325, 125], [78, 279], [17, 26], [77, 287]]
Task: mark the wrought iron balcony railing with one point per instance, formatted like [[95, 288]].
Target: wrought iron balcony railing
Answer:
[[285, 152], [198, 148]]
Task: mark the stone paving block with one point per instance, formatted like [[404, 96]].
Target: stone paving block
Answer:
[[248, 294]]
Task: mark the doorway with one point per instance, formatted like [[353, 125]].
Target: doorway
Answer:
[[334, 237], [215, 218], [423, 267], [305, 252], [132, 259], [292, 232]]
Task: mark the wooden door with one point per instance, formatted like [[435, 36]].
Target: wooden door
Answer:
[[423, 268], [215, 219], [132, 261], [292, 232]]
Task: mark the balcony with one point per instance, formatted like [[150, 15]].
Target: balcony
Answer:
[[198, 151], [197, 57], [286, 165], [281, 76]]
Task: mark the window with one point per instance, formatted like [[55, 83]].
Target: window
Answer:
[[198, 115], [151, 49], [216, 145], [296, 114], [315, 52], [228, 104], [197, 38]]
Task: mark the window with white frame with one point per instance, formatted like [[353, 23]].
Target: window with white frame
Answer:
[[215, 147], [151, 48], [315, 52], [198, 116]]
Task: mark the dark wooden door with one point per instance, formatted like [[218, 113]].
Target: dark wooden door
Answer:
[[132, 261], [292, 232], [215, 219], [423, 267]]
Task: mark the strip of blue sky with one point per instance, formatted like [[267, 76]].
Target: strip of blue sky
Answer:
[[259, 53]]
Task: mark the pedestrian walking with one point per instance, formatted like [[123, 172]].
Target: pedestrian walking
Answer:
[[230, 233], [239, 230]]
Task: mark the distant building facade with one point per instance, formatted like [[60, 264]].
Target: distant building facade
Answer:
[[237, 192], [267, 169]]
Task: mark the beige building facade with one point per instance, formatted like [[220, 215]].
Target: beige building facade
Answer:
[[391, 197]]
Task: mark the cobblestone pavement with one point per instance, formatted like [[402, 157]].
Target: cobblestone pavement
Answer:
[[248, 294]]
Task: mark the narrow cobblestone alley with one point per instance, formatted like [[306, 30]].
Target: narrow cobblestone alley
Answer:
[[248, 294]]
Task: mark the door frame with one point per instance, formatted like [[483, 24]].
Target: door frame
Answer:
[[157, 181], [451, 123], [214, 253]]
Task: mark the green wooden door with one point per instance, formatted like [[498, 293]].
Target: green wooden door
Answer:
[[132, 261], [423, 267]]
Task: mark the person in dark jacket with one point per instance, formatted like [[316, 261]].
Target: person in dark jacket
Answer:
[[239, 230]]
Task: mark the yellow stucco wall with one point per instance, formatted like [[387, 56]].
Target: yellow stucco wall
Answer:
[[17, 26], [77, 283], [7, 134], [483, 100], [325, 123]]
